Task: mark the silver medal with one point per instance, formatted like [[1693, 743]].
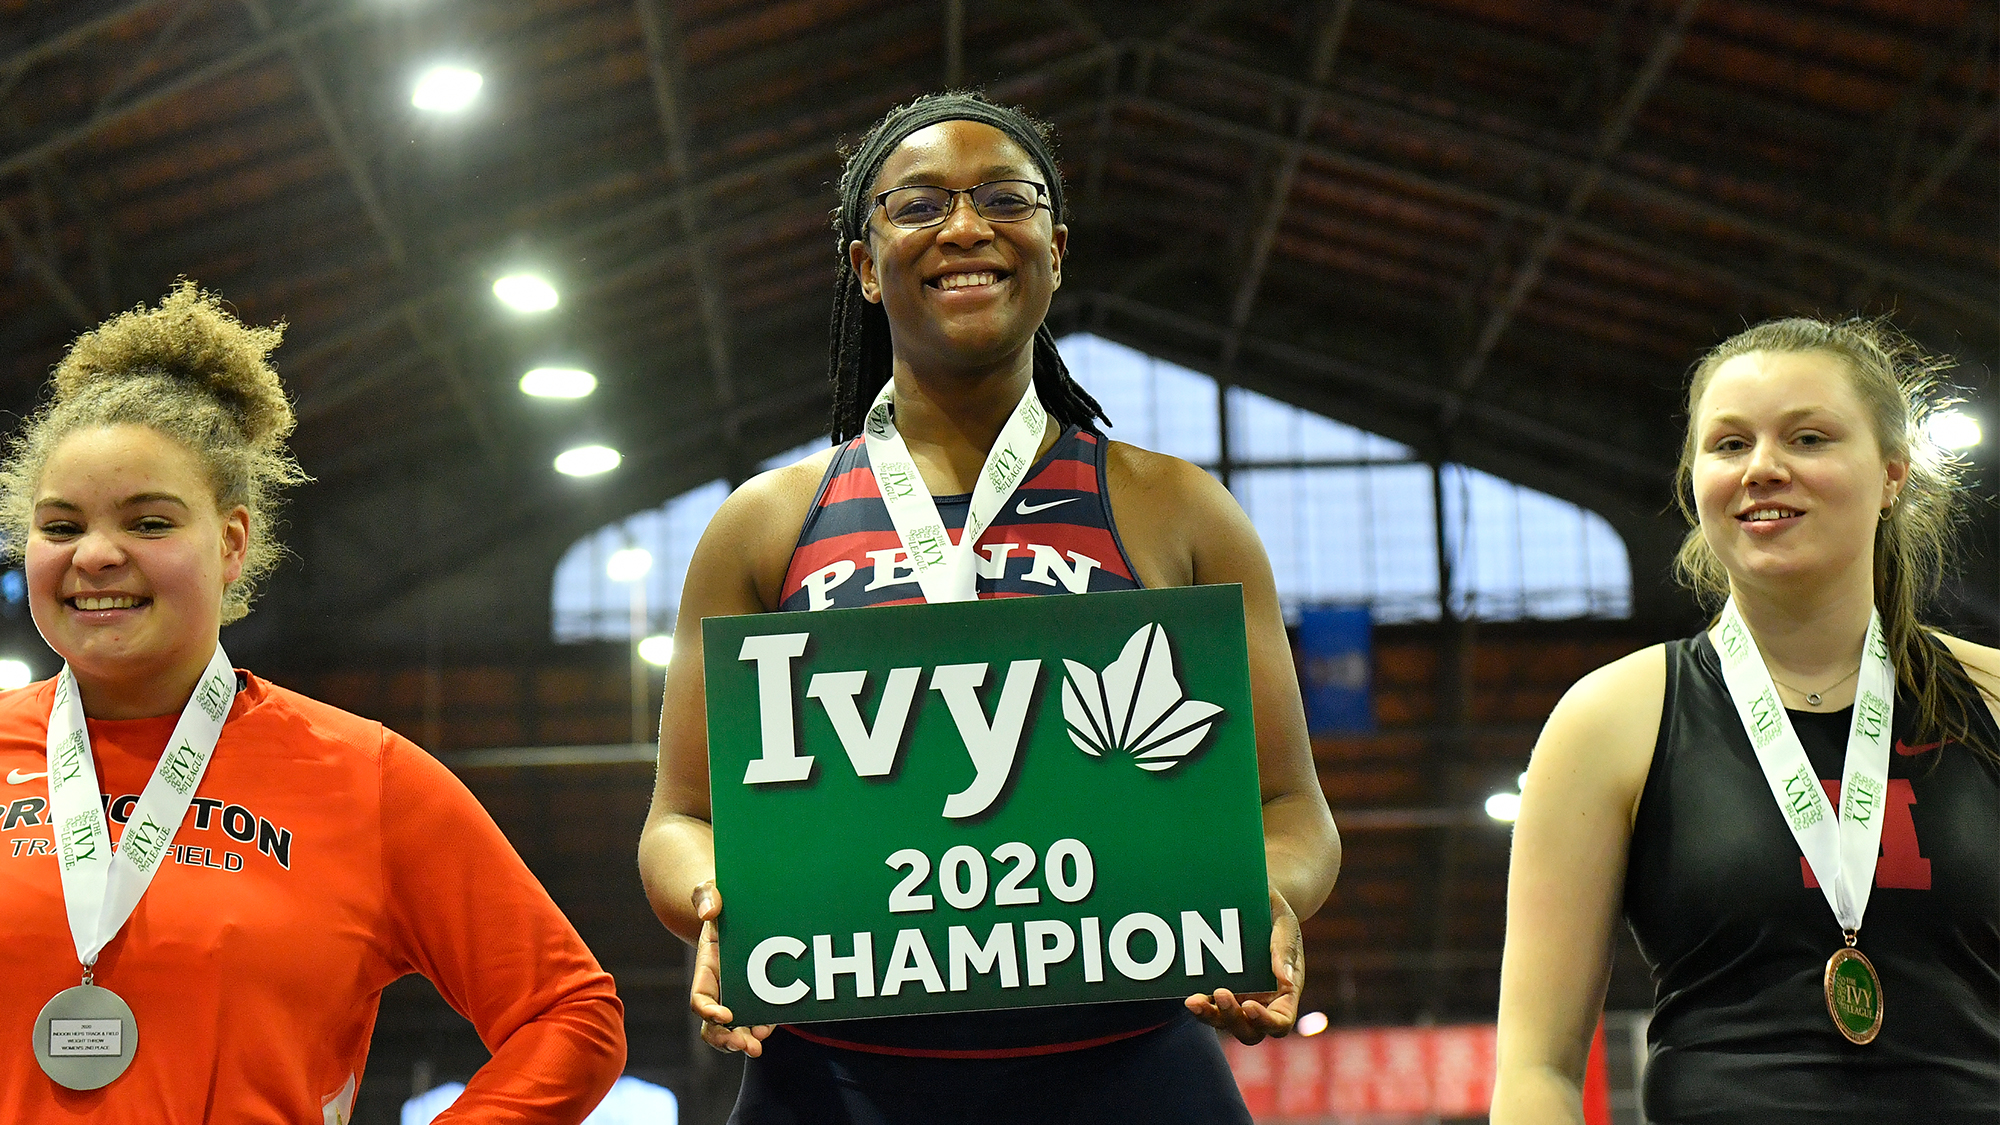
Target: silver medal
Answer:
[[85, 1037]]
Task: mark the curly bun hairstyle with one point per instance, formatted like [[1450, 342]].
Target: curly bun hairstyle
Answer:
[[859, 353], [188, 370], [1895, 380]]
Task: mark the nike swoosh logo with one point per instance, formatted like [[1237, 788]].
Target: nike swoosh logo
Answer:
[[1908, 751], [16, 777], [1027, 509]]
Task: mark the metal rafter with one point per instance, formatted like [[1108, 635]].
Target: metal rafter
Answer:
[[662, 35], [64, 139], [15, 67], [1266, 231], [1838, 251], [131, 69], [421, 331], [579, 239], [45, 272], [1980, 127], [1609, 140], [1435, 186], [106, 259]]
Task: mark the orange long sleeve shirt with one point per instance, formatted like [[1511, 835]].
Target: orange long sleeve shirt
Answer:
[[324, 857]]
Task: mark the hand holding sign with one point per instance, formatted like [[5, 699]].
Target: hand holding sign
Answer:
[[702, 994], [980, 805], [1250, 1020]]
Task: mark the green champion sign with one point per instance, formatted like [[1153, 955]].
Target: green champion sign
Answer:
[[991, 804]]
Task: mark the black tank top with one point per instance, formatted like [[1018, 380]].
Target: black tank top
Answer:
[[1737, 932]]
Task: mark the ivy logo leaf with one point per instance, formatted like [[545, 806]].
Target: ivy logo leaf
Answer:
[[1137, 706]]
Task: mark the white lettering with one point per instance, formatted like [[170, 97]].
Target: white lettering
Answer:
[[968, 889], [1040, 954], [1093, 952], [820, 583], [1049, 567], [1121, 946], [860, 965], [910, 961], [994, 565], [873, 752], [998, 951], [758, 970], [781, 759], [992, 747], [892, 568], [1227, 946]]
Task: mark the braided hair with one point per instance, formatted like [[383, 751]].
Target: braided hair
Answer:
[[859, 353]]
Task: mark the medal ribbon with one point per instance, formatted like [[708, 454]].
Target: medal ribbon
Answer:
[[1842, 852], [946, 571], [100, 887]]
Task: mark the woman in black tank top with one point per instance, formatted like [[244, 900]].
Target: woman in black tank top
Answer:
[[1817, 503], [951, 235]]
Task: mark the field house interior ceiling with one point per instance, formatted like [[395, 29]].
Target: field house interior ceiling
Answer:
[[1496, 232]]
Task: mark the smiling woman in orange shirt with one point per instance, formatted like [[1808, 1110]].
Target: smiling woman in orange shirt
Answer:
[[206, 880]]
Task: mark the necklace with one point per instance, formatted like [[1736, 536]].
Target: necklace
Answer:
[[1813, 697]]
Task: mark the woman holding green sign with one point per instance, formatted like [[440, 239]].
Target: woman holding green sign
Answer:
[[951, 229], [1797, 810]]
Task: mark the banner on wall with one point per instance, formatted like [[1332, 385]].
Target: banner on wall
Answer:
[[1335, 668], [986, 804], [1386, 1073]]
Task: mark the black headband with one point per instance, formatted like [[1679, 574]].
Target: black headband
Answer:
[[921, 114]]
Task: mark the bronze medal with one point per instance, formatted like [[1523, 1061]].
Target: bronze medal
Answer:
[[1853, 995]]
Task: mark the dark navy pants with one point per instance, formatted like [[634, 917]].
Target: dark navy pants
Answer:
[[1173, 1075]]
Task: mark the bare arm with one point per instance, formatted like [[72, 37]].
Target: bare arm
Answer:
[[1566, 883], [737, 569], [1182, 528]]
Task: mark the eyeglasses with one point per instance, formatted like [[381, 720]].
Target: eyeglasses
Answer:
[[998, 201]]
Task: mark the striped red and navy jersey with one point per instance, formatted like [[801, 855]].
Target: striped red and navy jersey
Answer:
[[1054, 536]]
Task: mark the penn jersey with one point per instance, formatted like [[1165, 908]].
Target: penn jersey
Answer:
[[1054, 537], [1736, 930]]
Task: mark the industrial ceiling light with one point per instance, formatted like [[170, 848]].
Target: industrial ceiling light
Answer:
[[587, 460], [628, 564], [558, 382], [1504, 807], [446, 89], [657, 649], [1953, 429], [525, 292], [14, 674]]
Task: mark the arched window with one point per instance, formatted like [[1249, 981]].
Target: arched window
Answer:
[[1347, 517], [587, 604], [1350, 517]]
